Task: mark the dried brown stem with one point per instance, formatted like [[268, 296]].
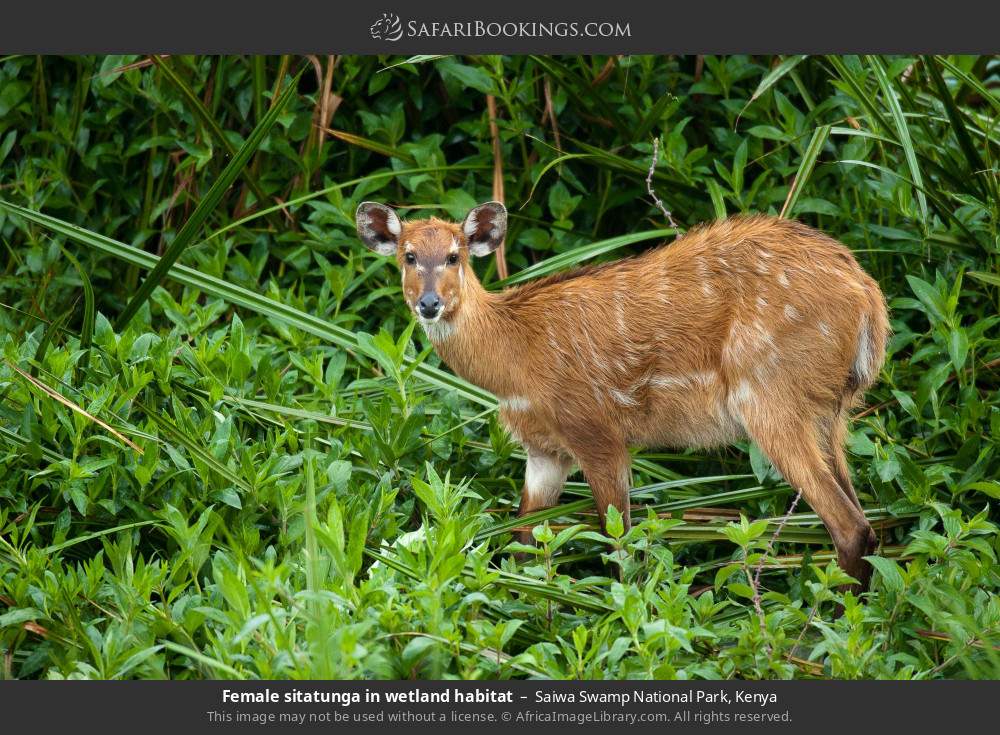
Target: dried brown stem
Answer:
[[550, 113], [498, 194]]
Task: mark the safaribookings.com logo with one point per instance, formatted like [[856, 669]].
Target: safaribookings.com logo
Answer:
[[387, 28], [390, 28]]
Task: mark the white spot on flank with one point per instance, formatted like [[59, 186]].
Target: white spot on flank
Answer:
[[824, 329], [707, 291], [762, 335], [743, 392], [783, 279], [704, 379], [595, 355], [552, 339], [669, 381], [620, 312], [623, 398], [596, 393], [761, 268], [664, 291], [761, 302], [515, 403], [791, 313], [747, 340]]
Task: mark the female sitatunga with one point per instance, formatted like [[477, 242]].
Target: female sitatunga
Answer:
[[750, 327]]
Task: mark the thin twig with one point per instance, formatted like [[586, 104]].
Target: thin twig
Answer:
[[809, 619], [649, 184], [755, 581]]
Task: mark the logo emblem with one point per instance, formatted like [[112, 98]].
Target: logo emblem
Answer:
[[387, 28]]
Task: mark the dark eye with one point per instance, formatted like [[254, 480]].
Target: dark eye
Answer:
[[410, 258], [452, 258]]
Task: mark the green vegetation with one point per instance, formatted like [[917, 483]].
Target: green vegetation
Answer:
[[226, 452]]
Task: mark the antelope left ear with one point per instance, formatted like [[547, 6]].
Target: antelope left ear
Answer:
[[378, 227], [485, 227]]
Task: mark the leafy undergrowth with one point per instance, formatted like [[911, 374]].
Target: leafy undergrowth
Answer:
[[262, 471]]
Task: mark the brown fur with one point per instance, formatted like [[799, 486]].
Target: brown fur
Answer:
[[750, 327]]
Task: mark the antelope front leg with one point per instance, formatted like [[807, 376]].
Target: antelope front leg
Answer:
[[608, 472], [544, 477]]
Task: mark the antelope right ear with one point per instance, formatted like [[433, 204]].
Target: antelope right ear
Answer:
[[378, 227], [485, 228]]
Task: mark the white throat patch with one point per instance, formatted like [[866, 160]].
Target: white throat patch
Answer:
[[437, 330]]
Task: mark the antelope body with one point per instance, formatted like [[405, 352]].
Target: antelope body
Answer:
[[750, 327]]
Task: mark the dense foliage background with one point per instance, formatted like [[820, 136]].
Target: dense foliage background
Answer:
[[261, 470]]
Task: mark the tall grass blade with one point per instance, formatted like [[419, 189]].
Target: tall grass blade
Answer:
[[89, 313], [581, 255], [903, 131], [806, 166], [774, 76]]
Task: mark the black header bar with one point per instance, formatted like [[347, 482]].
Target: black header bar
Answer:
[[394, 27]]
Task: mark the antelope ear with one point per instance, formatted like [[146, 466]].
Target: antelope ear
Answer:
[[378, 227], [485, 227]]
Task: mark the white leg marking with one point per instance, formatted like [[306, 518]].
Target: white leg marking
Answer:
[[544, 478]]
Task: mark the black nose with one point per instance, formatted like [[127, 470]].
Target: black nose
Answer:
[[429, 305]]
